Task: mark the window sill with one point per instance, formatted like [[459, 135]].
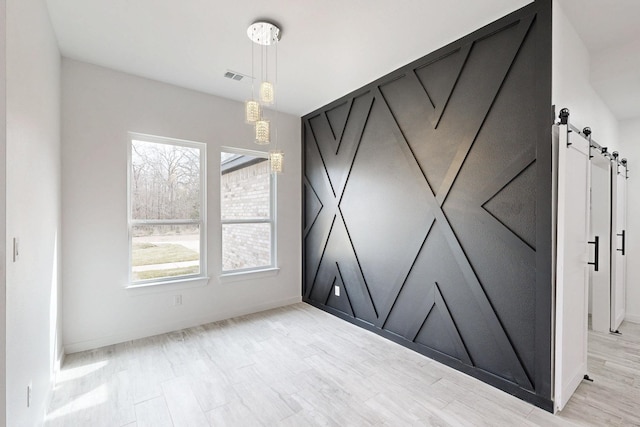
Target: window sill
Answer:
[[249, 275], [167, 286]]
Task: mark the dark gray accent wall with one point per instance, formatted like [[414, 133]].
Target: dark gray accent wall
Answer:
[[427, 200]]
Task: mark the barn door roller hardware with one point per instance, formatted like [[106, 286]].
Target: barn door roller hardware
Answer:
[[564, 116], [587, 134], [619, 163], [564, 120], [626, 169]]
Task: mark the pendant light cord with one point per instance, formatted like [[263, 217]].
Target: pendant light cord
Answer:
[[275, 83], [253, 75]]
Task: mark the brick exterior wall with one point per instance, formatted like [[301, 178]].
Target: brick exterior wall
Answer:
[[245, 195]]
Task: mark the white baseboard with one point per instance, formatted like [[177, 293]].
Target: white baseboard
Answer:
[[174, 326], [633, 318]]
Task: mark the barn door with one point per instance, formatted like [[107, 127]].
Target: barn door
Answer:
[[572, 268], [600, 278], [618, 249]]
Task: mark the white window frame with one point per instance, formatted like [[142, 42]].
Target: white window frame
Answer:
[[272, 216], [202, 222]]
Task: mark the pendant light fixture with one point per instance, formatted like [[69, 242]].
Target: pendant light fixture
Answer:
[[266, 35], [262, 131], [276, 159], [252, 111], [266, 93]]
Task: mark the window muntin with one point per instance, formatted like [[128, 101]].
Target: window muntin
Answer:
[[166, 209], [247, 211]]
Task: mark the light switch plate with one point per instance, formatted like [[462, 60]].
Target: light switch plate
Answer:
[[16, 249]]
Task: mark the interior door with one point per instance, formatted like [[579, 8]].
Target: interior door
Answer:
[[600, 232], [572, 269], [618, 249]]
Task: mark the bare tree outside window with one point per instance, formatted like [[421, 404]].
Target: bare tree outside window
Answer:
[[166, 208]]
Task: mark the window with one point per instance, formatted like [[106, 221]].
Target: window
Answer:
[[247, 211], [166, 209]]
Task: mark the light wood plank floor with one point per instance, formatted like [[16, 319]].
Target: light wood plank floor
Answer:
[[298, 366]]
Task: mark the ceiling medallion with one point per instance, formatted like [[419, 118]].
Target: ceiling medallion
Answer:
[[264, 33]]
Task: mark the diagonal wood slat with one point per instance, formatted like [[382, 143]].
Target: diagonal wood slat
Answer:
[[436, 121], [499, 334]]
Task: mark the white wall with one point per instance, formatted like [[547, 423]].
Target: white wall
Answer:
[[3, 165], [571, 87], [630, 149], [32, 207], [99, 107]]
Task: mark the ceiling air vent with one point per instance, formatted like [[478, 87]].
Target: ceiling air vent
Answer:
[[233, 75]]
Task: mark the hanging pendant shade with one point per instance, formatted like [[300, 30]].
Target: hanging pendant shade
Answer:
[[267, 94], [251, 111], [276, 159], [262, 132]]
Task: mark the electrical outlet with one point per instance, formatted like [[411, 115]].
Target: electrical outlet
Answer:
[[336, 290], [29, 393], [177, 300], [16, 249]]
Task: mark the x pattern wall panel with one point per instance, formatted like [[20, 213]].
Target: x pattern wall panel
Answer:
[[421, 194]]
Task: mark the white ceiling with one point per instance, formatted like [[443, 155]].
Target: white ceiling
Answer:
[[328, 48], [610, 29]]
